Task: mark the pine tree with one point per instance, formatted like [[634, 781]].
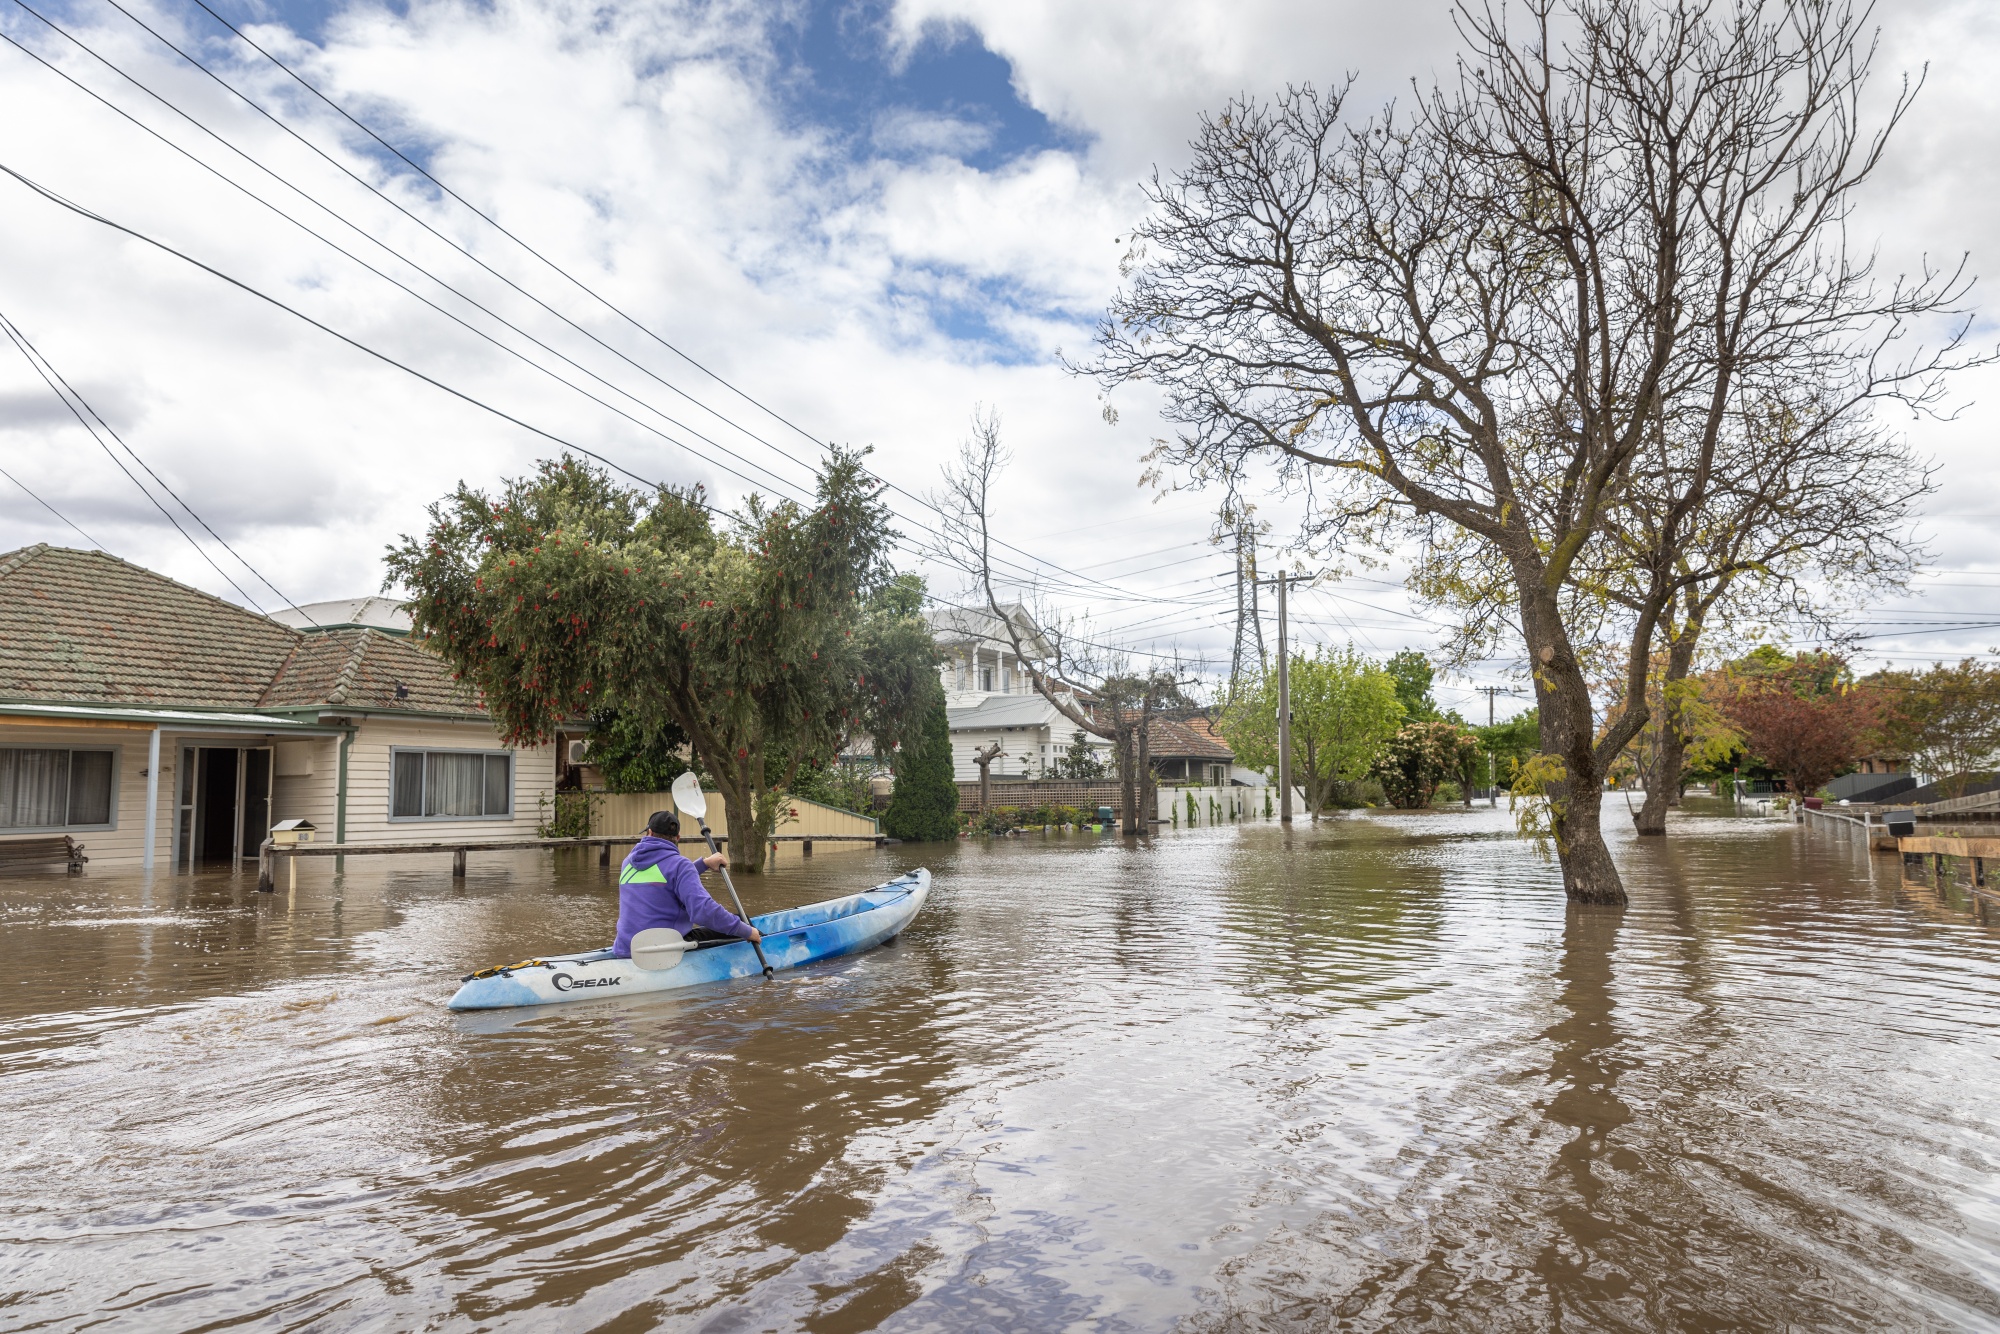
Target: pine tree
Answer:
[[924, 805]]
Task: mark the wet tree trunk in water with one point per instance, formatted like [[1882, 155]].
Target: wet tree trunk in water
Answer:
[[1128, 800], [1569, 733], [746, 848], [1147, 803], [1663, 784]]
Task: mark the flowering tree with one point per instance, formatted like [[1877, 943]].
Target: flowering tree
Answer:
[[568, 594], [1419, 757]]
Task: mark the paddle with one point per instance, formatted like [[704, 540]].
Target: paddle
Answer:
[[659, 948], [688, 796]]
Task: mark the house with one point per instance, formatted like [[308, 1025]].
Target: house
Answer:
[[166, 728], [991, 698], [1186, 750]]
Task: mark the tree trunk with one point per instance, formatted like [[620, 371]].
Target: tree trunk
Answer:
[[1128, 798], [1576, 802], [1146, 804], [746, 846], [1663, 783]]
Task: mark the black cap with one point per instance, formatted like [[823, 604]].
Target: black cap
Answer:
[[664, 824]]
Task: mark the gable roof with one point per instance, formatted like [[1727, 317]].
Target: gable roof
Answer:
[[86, 627]]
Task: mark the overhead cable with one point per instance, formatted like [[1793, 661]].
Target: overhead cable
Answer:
[[53, 510], [537, 254], [49, 377]]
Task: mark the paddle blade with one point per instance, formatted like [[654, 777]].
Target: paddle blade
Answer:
[[658, 948], [688, 796]]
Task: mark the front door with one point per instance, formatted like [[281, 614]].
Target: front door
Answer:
[[225, 803]]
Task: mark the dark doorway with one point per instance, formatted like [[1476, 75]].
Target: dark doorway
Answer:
[[225, 804], [215, 804]]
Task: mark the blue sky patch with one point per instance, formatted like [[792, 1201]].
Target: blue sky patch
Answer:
[[840, 70]]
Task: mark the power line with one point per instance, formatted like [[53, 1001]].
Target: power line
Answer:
[[50, 378], [53, 510], [384, 246], [158, 480], [544, 259], [356, 344]]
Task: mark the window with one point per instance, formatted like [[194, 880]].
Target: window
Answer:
[[451, 785], [986, 678], [55, 789]]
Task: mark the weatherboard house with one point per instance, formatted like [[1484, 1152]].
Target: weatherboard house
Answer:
[[162, 727]]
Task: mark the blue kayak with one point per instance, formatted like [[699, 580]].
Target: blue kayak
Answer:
[[792, 937]]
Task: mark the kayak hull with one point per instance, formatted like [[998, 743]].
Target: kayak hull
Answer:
[[792, 937]]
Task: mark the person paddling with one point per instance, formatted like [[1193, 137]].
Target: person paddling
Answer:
[[658, 886]]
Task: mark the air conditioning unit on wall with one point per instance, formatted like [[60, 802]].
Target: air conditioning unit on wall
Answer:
[[577, 751]]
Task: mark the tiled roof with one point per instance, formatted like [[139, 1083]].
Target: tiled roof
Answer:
[[1173, 738], [361, 669], [86, 627], [1169, 737]]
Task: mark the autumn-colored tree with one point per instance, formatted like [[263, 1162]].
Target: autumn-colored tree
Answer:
[[1807, 720], [757, 637]]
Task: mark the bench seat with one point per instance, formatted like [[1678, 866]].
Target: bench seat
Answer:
[[22, 853]]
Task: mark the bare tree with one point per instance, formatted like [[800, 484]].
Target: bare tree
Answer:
[[984, 757], [1096, 688], [1622, 213]]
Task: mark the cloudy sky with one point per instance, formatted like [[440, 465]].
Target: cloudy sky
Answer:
[[744, 228]]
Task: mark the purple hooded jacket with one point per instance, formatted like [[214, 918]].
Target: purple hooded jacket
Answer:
[[659, 887]]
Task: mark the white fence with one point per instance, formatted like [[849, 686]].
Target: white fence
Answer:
[[1200, 807]]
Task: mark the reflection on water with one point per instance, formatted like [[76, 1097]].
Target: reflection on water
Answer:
[[1371, 1074]]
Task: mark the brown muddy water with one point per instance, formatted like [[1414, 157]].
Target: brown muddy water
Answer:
[[1371, 1075]]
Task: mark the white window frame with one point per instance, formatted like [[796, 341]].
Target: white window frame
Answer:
[[513, 778], [117, 754]]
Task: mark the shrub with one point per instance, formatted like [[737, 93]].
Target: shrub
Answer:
[[924, 806]]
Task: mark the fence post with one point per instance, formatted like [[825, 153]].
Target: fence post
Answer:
[[458, 863]]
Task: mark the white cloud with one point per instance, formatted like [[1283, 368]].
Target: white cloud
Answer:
[[649, 151]]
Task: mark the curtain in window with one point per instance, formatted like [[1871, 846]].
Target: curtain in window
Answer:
[[90, 787], [498, 789], [406, 795], [34, 788], [455, 784]]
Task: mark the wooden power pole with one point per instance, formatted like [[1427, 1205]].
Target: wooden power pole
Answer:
[[1284, 699]]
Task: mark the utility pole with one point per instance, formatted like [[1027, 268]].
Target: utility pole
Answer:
[[1284, 700], [1492, 779]]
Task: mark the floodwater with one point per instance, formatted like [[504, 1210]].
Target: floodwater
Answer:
[[1368, 1075]]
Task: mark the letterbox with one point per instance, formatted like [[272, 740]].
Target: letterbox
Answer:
[[290, 833]]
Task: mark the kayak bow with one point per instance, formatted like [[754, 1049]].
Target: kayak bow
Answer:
[[792, 937]]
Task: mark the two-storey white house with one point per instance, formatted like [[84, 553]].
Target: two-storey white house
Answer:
[[990, 697]]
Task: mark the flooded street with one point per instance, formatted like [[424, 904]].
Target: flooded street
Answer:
[[1368, 1075]]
